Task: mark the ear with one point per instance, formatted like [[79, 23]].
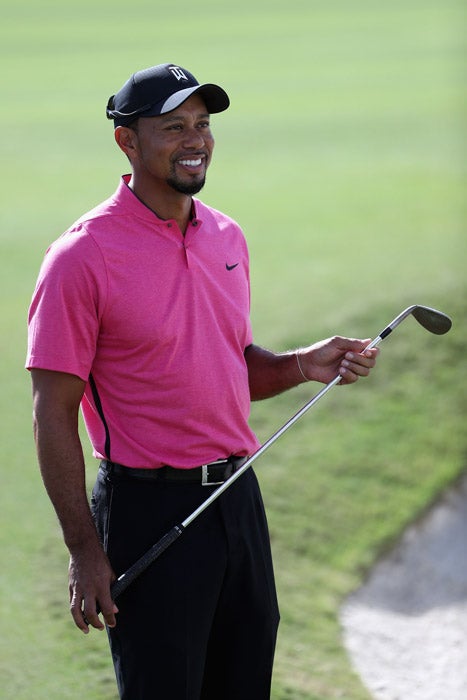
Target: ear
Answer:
[[127, 140]]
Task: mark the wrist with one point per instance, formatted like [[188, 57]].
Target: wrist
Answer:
[[303, 377], [81, 540]]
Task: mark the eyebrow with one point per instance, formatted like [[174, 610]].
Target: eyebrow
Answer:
[[174, 118]]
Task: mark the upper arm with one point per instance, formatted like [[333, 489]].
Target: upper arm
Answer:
[[56, 392], [66, 309], [253, 358]]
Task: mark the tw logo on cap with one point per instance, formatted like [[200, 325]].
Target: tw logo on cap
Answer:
[[177, 73]]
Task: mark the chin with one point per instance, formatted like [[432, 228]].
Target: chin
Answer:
[[188, 188]]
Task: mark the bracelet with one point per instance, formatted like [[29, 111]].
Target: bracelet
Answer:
[[300, 368]]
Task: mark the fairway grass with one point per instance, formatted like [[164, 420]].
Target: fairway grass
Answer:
[[343, 159]]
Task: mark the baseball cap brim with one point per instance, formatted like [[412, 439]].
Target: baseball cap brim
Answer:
[[215, 98]]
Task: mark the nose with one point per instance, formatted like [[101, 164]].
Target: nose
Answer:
[[192, 138]]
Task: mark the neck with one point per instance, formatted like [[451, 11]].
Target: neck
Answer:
[[168, 204]]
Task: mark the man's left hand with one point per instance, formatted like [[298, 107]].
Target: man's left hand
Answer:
[[326, 359]]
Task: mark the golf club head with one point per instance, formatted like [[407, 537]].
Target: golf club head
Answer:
[[431, 319]]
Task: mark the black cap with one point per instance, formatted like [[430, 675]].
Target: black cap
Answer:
[[159, 90]]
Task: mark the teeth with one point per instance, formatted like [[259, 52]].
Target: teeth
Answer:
[[192, 163]]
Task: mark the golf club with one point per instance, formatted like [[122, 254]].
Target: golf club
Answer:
[[434, 321]]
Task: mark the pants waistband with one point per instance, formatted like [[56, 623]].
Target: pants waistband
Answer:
[[211, 474]]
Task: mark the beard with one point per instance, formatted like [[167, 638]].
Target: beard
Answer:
[[186, 187], [183, 187]]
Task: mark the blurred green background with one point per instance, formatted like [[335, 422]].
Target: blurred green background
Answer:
[[343, 158]]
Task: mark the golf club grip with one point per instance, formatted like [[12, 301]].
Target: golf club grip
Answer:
[[142, 564]]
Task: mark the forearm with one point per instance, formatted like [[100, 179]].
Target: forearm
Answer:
[[62, 468], [271, 373]]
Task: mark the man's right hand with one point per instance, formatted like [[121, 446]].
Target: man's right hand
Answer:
[[90, 577]]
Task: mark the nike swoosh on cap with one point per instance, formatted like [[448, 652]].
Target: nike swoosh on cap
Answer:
[[230, 267]]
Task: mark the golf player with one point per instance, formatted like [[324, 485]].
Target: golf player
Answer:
[[140, 316]]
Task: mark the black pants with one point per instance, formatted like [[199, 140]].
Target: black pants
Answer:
[[201, 622]]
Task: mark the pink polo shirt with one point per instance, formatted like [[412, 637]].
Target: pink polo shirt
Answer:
[[160, 322]]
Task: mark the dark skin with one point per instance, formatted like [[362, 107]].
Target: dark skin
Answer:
[[169, 157]]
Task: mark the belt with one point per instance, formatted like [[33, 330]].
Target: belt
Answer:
[[207, 474]]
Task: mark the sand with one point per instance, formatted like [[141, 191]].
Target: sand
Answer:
[[405, 629]]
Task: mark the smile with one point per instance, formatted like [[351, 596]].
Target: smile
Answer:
[[191, 163]]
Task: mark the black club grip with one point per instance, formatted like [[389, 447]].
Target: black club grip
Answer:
[[143, 562]]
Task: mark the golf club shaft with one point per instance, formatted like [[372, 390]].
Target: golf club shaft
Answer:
[[431, 319], [156, 550]]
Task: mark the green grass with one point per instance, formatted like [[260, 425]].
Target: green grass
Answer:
[[343, 157]]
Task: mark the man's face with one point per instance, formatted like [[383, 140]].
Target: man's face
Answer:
[[175, 149]]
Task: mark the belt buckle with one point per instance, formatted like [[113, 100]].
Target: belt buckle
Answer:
[[205, 475]]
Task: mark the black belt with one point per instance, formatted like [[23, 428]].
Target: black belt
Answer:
[[207, 475]]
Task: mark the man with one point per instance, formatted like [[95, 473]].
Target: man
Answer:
[[141, 317]]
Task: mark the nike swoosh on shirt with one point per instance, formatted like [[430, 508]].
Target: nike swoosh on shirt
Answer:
[[230, 267]]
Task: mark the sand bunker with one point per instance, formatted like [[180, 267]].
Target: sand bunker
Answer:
[[406, 628]]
